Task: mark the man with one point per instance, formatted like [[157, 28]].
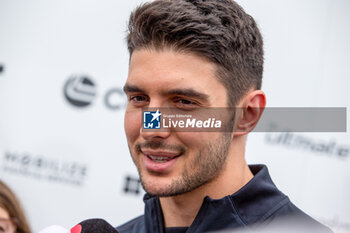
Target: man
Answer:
[[196, 54]]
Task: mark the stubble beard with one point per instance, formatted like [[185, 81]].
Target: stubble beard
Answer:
[[207, 165]]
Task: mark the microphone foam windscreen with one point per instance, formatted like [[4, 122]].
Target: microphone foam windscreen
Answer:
[[94, 226]]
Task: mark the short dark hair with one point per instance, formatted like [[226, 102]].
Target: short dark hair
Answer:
[[219, 30]]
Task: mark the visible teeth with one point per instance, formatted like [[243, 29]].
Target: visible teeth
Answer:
[[159, 159]]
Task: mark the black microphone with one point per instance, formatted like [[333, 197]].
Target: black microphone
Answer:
[[94, 225]]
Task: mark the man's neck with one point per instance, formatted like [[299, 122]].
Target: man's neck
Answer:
[[181, 210]]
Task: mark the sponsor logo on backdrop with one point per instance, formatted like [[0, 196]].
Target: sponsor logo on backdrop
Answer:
[[81, 91], [2, 68], [291, 140], [132, 185], [44, 168], [115, 99]]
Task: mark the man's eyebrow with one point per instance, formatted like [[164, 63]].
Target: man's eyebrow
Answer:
[[131, 88], [189, 92]]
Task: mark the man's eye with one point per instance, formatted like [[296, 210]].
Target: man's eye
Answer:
[[138, 99], [185, 103]]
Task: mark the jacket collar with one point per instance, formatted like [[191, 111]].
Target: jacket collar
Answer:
[[253, 203]]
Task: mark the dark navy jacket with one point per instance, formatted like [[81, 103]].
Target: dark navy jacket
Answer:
[[259, 203]]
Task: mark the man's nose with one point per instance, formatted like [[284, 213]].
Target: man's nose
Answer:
[[151, 134]]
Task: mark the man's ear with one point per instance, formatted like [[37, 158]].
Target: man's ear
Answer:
[[249, 111]]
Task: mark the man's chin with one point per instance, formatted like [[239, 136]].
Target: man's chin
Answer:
[[157, 187]]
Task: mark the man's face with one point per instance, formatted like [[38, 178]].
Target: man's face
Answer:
[[172, 162]]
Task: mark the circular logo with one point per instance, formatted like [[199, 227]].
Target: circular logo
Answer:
[[80, 91]]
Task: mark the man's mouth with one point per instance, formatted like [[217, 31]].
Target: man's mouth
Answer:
[[160, 156], [159, 161]]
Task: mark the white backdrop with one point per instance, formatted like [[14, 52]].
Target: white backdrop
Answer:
[[69, 162]]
